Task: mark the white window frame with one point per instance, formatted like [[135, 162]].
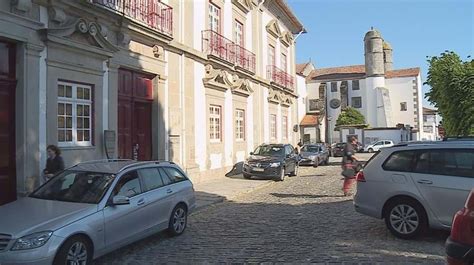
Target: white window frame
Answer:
[[273, 126], [239, 33], [215, 119], [284, 126], [284, 62], [74, 101], [271, 54], [214, 17], [240, 125]]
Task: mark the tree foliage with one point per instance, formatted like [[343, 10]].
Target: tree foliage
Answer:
[[452, 92], [350, 116]]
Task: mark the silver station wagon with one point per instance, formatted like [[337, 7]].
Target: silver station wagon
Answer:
[[93, 208]]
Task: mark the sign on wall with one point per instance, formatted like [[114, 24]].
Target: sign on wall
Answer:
[[109, 142]]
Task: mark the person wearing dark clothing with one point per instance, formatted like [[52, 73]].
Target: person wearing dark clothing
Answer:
[[55, 162], [349, 164]]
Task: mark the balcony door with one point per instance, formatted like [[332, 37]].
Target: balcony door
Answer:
[[7, 123], [135, 115], [271, 55], [214, 18]]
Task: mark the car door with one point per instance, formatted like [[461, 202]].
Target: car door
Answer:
[[378, 145], [388, 144], [444, 178], [157, 196], [289, 160], [124, 222]]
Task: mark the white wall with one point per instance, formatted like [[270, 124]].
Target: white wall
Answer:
[[301, 90], [401, 90], [375, 135]]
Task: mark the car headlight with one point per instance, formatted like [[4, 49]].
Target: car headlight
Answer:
[[35, 240], [277, 164]]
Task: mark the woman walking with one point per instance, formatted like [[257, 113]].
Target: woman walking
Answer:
[[54, 164], [349, 165]]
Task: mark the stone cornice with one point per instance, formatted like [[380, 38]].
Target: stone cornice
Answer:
[[244, 5], [273, 28], [223, 80]]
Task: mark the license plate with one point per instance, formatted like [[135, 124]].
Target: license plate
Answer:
[[258, 169]]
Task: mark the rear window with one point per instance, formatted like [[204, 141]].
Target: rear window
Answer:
[[400, 161], [451, 162]]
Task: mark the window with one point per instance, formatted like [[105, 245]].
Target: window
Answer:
[[239, 33], [333, 86], [271, 55], [174, 174], [215, 123], [128, 185], [284, 126], [166, 179], [446, 162], [403, 106], [273, 126], [356, 102], [240, 124], [355, 85], [425, 118], [151, 178], [74, 114], [400, 161], [214, 18], [284, 62]]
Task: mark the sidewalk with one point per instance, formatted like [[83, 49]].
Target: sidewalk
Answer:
[[225, 188]]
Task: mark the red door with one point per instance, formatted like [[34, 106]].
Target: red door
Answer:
[[7, 123], [134, 115]]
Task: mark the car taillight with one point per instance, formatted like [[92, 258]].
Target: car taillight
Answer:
[[462, 230], [360, 176], [470, 201]]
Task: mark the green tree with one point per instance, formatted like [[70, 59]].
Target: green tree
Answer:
[[350, 116], [452, 92]]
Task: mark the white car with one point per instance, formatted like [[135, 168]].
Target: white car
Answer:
[[376, 146], [414, 186]]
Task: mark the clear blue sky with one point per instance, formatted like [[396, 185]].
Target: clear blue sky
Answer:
[[414, 28]]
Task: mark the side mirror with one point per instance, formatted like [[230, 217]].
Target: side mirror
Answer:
[[120, 200], [251, 153]]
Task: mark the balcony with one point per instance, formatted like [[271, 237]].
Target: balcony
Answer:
[[280, 77], [214, 44], [153, 13]]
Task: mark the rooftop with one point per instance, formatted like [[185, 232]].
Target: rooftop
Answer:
[[356, 72], [428, 111], [309, 120]]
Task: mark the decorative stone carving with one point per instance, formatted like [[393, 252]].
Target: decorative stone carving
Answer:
[[123, 39], [80, 26], [344, 94], [274, 96], [241, 86], [286, 100], [316, 105], [335, 103], [287, 38], [57, 15], [158, 51], [322, 90], [223, 80], [23, 6], [244, 5], [273, 28]]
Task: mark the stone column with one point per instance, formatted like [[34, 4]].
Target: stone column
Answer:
[[112, 97]]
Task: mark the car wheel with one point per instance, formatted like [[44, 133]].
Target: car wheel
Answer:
[[76, 250], [247, 176], [316, 163], [371, 150], [326, 162], [295, 172], [282, 175], [405, 218], [178, 220]]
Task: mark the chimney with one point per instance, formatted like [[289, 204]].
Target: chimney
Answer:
[[387, 56]]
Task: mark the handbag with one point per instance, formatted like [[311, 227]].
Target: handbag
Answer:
[[348, 171]]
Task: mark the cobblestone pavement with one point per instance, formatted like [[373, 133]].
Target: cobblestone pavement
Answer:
[[304, 219]]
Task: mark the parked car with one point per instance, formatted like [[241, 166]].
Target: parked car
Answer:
[[274, 161], [94, 208], [376, 146], [359, 147], [314, 155], [413, 186], [460, 245], [337, 149]]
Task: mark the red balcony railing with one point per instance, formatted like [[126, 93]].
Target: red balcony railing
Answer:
[[244, 58], [280, 77], [215, 44], [154, 13]]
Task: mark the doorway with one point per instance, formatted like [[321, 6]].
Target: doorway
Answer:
[[135, 98], [7, 123]]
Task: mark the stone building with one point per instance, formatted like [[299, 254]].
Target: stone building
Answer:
[[431, 120], [386, 97], [197, 82]]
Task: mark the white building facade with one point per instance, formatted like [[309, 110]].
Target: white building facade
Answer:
[[201, 83], [385, 97]]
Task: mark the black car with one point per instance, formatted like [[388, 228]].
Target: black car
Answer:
[[314, 155], [273, 161], [337, 149]]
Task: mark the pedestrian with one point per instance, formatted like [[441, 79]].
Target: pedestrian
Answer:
[[54, 164], [349, 165]]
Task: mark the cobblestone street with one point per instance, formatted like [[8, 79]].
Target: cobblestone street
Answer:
[[304, 219]]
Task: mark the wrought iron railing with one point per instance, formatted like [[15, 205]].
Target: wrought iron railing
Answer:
[[280, 77], [154, 13], [217, 45], [244, 58]]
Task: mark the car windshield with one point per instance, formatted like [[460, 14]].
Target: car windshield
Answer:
[[310, 148], [75, 186], [269, 150]]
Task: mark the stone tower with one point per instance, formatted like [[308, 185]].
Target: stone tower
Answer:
[[387, 56], [374, 62]]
